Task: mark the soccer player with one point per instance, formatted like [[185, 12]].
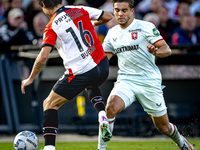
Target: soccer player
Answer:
[[136, 43], [72, 33]]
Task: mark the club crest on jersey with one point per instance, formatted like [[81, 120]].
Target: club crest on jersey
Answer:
[[156, 32], [134, 35]]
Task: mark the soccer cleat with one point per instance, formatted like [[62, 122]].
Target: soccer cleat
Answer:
[[106, 134], [187, 145]]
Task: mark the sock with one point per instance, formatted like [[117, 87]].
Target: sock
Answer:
[[175, 136], [49, 147], [96, 98], [101, 143], [111, 123], [50, 126]]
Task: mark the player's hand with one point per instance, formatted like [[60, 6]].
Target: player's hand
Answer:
[[25, 83], [152, 49]]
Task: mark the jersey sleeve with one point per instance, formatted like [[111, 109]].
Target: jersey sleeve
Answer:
[[151, 33], [94, 13], [107, 46], [49, 37]]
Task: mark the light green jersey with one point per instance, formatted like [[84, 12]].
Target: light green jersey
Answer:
[[130, 46]]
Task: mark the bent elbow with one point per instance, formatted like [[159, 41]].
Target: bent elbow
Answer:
[[169, 52]]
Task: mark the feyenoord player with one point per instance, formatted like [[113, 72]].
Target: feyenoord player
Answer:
[[72, 33], [136, 43]]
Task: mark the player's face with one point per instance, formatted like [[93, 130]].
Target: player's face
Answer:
[[123, 14]]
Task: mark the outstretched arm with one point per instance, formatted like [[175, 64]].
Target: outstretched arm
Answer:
[[104, 19], [159, 49], [37, 67]]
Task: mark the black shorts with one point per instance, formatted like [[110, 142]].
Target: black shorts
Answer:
[[95, 77]]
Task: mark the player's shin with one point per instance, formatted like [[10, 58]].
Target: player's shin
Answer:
[[96, 98], [50, 127]]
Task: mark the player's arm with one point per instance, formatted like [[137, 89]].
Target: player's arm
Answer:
[[104, 19], [109, 55], [37, 67], [159, 49]]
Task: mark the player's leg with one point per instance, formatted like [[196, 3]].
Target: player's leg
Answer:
[[114, 105], [100, 72], [50, 118], [152, 100], [97, 76], [97, 100], [165, 127], [120, 97], [66, 88]]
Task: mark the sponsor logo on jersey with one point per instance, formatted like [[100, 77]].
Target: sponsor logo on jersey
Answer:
[[135, 30], [127, 48], [69, 16], [64, 17], [134, 35], [156, 32]]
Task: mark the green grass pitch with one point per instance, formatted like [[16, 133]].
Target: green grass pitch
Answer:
[[140, 145]]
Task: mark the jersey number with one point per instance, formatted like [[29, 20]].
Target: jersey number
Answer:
[[83, 36]]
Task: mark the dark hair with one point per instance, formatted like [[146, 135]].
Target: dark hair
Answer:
[[197, 14], [131, 2], [49, 3]]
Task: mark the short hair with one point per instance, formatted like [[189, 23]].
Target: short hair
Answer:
[[49, 3], [131, 2]]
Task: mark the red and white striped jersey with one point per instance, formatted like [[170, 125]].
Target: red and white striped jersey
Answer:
[[72, 33]]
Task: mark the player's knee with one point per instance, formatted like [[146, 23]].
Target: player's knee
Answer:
[[111, 111]]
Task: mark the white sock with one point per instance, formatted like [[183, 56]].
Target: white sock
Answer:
[[49, 147], [175, 136], [101, 143], [101, 114], [111, 124]]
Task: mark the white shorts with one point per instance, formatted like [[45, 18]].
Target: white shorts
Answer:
[[150, 97]]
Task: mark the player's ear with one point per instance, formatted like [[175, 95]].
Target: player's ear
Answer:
[[44, 6], [132, 10]]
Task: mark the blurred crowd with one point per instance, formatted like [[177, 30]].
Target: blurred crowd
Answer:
[[177, 20], [22, 21]]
